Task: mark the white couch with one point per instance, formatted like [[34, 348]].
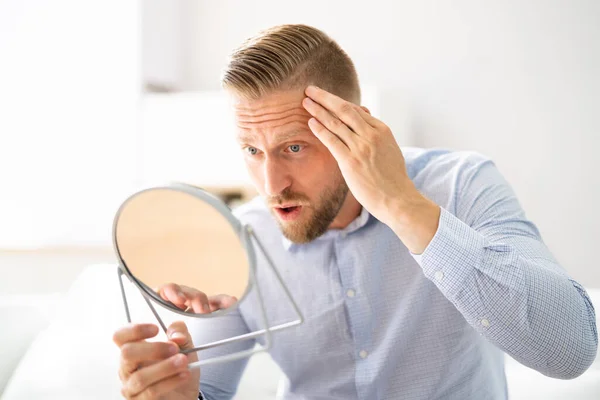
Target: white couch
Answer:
[[60, 347]]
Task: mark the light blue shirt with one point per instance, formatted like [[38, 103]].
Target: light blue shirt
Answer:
[[382, 323]]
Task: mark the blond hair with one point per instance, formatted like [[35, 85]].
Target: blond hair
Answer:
[[290, 57]]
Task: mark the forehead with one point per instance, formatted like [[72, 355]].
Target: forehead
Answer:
[[278, 116], [278, 99]]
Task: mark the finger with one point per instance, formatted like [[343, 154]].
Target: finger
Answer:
[[336, 146], [134, 354], [173, 293], [331, 122], [366, 115], [341, 108], [178, 333], [221, 301], [165, 386], [198, 301], [145, 378], [134, 332]]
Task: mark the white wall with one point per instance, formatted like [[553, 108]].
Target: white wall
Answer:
[[69, 91], [515, 80], [518, 81], [162, 42]]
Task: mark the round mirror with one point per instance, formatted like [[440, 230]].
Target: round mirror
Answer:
[[182, 246]]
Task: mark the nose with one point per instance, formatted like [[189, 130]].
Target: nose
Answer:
[[277, 178]]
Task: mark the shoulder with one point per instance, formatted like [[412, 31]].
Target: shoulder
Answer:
[[442, 174], [439, 161]]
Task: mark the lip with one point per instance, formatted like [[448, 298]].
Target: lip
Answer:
[[288, 215], [287, 205]]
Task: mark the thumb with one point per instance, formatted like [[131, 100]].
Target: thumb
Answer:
[[178, 333]]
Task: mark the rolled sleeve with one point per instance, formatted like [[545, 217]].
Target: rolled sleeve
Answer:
[[452, 252]]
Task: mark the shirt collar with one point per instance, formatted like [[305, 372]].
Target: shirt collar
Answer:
[[356, 224]]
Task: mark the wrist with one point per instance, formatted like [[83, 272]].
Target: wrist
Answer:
[[415, 220]]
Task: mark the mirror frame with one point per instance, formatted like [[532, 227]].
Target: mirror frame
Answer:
[[247, 236], [223, 210]]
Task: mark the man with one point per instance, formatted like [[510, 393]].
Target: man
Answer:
[[415, 269]]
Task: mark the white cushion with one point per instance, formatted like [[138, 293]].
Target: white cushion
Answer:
[[23, 317], [75, 358]]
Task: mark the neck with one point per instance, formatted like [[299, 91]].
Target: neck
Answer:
[[348, 213]]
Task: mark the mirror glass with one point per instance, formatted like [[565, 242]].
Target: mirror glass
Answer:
[[182, 248]]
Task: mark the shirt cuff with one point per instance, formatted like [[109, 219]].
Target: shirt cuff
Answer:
[[453, 253]]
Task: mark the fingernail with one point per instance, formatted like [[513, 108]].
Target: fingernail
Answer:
[[176, 335], [308, 101], [173, 350], [179, 360]]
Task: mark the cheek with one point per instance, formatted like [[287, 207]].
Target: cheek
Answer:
[[321, 157], [328, 158], [324, 163], [255, 172], [313, 172]]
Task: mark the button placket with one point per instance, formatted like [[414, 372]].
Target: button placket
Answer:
[[356, 305]]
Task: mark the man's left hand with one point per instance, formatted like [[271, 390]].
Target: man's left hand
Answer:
[[373, 166]]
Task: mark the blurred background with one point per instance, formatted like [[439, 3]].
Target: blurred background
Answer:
[[100, 98]]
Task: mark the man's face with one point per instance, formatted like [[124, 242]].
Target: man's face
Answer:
[[295, 173]]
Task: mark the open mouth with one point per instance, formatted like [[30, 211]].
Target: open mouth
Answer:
[[288, 210], [288, 213]]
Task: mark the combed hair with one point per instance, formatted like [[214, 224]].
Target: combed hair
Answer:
[[290, 57]]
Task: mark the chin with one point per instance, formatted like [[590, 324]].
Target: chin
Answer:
[[297, 238], [301, 233]]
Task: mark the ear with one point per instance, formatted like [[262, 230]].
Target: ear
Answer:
[[366, 109]]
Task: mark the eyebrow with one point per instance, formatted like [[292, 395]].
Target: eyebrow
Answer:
[[283, 137]]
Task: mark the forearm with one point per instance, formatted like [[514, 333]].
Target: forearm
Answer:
[[414, 219], [514, 294]]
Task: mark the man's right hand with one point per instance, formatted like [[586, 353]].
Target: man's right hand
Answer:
[[156, 370]]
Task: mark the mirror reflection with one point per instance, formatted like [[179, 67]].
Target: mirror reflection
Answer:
[[183, 249]]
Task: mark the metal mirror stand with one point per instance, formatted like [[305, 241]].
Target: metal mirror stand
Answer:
[[246, 235]]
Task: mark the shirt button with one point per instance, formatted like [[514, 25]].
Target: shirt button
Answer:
[[363, 354], [343, 235], [485, 323], [439, 275], [350, 293]]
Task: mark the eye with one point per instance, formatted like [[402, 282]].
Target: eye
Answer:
[[251, 150], [295, 148]]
